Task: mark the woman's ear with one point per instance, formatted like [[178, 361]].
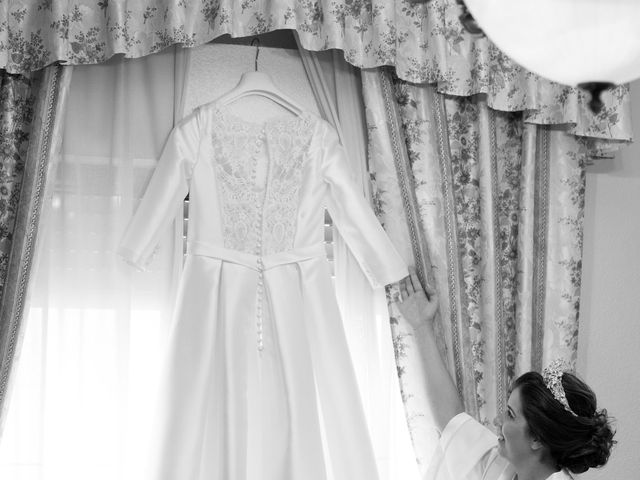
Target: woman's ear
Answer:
[[536, 444]]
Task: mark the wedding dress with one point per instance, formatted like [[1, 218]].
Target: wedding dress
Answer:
[[259, 383]]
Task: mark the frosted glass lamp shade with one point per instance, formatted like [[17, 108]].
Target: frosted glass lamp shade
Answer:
[[568, 41]]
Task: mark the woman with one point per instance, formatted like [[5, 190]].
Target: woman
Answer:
[[551, 428]]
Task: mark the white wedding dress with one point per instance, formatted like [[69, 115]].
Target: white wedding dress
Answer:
[[259, 383]]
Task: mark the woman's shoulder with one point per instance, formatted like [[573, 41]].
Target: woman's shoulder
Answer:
[[463, 426], [561, 475], [467, 449]]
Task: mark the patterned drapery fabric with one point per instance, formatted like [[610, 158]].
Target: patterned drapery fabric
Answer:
[[425, 43], [17, 98], [29, 138], [489, 209]]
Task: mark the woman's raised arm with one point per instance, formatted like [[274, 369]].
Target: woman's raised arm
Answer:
[[419, 308]]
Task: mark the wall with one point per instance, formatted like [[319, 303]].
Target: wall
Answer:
[[609, 341]]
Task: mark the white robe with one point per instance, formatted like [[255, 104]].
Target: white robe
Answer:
[[468, 450], [258, 364]]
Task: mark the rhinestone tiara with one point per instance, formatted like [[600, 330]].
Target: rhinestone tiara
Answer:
[[552, 376]]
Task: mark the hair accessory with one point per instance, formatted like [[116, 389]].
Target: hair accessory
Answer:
[[552, 376]]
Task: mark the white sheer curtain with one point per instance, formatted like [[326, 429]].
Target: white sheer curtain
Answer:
[[96, 328], [337, 88]]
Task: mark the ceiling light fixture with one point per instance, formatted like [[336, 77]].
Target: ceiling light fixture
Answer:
[[591, 44]]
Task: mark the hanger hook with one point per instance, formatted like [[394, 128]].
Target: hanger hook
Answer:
[[256, 42]]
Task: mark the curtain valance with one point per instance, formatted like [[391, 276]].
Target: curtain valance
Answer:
[[425, 42]]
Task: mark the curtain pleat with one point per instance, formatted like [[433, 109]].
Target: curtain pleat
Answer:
[[565, 205], [364, 310], [407, 183], [384, 154], [324, 96], [31, 123], [540, 239], [17, 98]]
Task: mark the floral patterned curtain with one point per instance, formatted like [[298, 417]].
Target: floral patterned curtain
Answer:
[[17, 98], [16, 113], [489, 208], [424, 42], [29, 139]]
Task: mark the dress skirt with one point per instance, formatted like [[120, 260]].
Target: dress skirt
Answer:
[[232, 411]]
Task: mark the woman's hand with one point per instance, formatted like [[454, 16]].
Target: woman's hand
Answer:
[[418, 306]]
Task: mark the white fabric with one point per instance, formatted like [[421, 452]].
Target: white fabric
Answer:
[[467, 450], [259, 364], [96, 329], [364, 309], [317, 68], [350, 106]]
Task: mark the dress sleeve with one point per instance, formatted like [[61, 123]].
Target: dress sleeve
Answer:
[[467, 450], [354, 218], [167, 188]]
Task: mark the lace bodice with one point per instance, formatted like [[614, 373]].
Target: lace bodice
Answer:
[[259, 172], [257, 190]]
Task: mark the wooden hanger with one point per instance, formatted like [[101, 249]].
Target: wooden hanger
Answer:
[[259, 83]]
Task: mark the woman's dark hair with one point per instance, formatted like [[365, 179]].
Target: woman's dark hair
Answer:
[[575, 442]]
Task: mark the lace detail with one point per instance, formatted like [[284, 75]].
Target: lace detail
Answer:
[[259, 169]]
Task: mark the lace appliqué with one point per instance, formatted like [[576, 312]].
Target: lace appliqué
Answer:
[[259, 170]]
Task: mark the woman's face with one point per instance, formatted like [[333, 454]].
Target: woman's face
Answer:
[[515, 440]]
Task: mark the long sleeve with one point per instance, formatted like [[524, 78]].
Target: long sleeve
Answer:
[[168, 186], [355, 220]]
